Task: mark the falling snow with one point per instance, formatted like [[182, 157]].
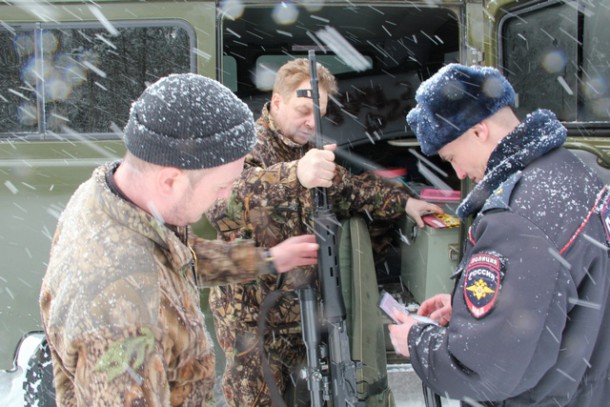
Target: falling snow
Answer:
[[80, 97]]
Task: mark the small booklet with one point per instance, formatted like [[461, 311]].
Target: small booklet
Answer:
[[443, 221], [388, 304]]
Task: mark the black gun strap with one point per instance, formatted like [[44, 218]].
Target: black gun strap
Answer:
[[274, 392]]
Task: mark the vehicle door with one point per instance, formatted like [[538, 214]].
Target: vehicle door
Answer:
[[68, 76], [555, 53]]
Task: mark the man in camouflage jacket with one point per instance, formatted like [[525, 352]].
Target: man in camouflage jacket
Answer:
[[120, 302], [281, 169]]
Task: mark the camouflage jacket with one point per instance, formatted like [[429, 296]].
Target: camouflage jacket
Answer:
[[121, 308], [269, 204]]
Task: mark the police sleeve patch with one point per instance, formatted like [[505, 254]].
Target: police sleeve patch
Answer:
[[482, 282]]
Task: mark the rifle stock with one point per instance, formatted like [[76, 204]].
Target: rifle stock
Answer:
[[331, 373]]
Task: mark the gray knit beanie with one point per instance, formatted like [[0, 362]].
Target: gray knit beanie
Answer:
[[453, 100], [190, 122]]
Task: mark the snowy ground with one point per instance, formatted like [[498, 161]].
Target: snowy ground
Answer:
[[407, 387]]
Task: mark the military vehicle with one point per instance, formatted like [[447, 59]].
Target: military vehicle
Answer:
[[69, 71]]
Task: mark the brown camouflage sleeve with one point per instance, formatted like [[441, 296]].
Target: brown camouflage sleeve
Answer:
[[220, 263], [376, 197], [278, 185]]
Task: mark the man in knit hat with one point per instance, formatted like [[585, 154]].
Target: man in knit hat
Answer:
[[528, 323], [120, 300]]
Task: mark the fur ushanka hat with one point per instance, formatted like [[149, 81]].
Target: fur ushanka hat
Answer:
[[453, 100], [190, 122]]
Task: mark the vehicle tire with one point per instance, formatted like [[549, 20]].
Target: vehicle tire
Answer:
[[38, 386]]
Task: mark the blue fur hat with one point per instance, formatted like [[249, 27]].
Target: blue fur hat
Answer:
[[453, 100]]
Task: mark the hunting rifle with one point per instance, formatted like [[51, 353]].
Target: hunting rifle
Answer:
[[331, 373]]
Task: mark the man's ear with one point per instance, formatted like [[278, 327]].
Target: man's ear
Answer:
[[171, 180], [481, 131], [276, 99]]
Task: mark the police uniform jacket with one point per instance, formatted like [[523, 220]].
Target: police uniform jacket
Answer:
[[531, 314]]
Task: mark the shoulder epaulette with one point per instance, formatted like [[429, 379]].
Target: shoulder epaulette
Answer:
[[500, 198]]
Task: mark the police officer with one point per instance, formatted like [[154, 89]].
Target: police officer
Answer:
[[528, 322]]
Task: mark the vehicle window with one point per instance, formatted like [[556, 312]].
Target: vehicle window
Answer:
[[557, 58], [62, 79], [378, 54]]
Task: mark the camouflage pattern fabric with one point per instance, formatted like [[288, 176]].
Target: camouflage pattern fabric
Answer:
[[269, 205], [120, 304]]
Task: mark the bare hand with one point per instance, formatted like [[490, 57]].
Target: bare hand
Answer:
[[317, 167], [416, 208], [399, 333], [437, 308], [294, 252]]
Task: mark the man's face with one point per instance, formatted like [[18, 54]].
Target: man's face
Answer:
[[203, 188], [294, 116], [467, 155]]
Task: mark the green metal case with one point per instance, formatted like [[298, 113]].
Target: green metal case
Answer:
[[428, 259]]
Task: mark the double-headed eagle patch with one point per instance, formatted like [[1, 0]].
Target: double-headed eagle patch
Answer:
[[482, 283]]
